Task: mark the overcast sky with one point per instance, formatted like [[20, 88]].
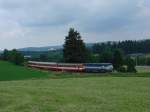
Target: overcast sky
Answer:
[[26, 23]]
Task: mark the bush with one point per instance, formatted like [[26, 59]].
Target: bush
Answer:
[[13, 56], [122, 69], [118, 59], [130, 65]]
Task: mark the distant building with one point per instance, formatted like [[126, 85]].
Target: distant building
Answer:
[[51, 49], [27, 57]]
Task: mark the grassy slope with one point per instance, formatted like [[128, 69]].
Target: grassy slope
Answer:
[[66, 92], [103, 94], [9, 71]]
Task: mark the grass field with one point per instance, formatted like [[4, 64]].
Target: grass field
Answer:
[[9, 71], [66, 92]]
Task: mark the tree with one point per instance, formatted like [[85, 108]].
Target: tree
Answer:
[[118, 59], [5, 55], [19, 59], [106, 57], [13, 56], [74, 48], [16, 57], [130, 65], [43, 57], [127, 46]]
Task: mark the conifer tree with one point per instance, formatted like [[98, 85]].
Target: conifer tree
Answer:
[[118, 60], [74, 48]]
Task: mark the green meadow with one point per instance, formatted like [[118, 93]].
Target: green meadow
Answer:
[[9, 71], [27, 90]]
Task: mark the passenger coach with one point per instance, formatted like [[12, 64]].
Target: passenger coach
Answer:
[[57, 66], [85, 67]]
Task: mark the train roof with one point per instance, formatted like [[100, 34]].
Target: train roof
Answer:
[[36, 62], [100, 64], [70, 64]]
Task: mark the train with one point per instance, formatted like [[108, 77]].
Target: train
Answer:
[[72, 67]]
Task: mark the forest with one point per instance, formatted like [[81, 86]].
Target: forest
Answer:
[[128, 46]]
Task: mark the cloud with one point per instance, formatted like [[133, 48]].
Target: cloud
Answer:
[[39, 23]]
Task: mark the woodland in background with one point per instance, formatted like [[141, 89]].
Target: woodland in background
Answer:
[[128, 46], [76, 51]]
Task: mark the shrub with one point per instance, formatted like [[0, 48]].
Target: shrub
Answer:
[[122, 69], [130, 65]]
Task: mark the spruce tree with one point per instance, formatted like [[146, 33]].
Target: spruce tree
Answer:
[[118, 59], [74, 48], [130, 65]]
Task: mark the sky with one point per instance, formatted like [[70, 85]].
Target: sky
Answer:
[[35, 23]]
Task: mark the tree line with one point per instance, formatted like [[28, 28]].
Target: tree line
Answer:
[[12, 56], [128, 46]]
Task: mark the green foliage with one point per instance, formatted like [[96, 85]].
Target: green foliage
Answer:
[[122, 69], [91, 57], [55, 56], [99, 48], [106, 57], [13, 56], [118, 60], [128, 46], [43, 57], [130, 65], [5, 55], [74, 48]]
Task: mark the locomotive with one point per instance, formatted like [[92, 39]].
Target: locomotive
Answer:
[[78, 67]]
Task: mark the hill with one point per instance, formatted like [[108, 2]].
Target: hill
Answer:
[[40, 49], [47, 48], [10, 71]]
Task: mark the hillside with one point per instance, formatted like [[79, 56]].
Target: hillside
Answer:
[[47, 48], [10, 71], [41, 49]]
